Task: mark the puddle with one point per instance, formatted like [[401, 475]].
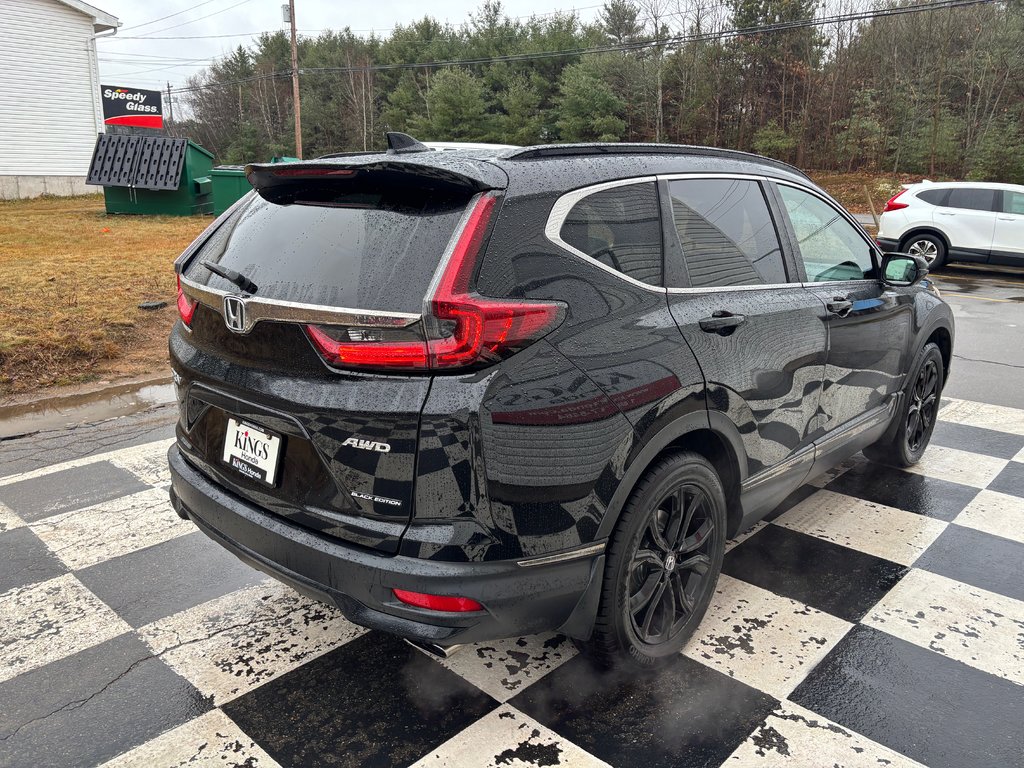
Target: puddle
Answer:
[[82, 409]]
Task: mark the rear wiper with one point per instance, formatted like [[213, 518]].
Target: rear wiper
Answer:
[[237, 278]]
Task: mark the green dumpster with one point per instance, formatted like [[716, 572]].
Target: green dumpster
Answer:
[[152, 175], [229, 185]]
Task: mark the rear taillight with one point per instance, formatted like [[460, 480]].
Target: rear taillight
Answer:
[[438, 602], [186, 306], [460, 329], [892, 205]]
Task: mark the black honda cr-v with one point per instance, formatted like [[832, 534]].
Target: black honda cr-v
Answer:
[[481, 393]]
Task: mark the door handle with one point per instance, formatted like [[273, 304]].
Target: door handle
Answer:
[[840, 305], [945, 213], [1007, 218], [721, 322]]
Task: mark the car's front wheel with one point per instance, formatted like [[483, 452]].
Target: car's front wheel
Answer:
[[931, 248], [663, 563], [904, 445]]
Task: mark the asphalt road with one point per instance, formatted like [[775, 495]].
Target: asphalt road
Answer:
[[988, 352]]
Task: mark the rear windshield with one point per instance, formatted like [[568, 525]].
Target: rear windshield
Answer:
[[371, 249]]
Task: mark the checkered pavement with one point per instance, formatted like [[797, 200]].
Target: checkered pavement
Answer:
[[876, 619]]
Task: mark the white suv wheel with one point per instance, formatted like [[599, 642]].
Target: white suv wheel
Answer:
[[925, 248]]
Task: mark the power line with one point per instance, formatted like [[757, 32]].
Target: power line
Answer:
[[147, 36], [382, 30], [636, 45], [168, 16]]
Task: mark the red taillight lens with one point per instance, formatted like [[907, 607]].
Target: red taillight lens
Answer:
[[186, 306], [339, 349], [438, 602], [892, 205], [461, 329]]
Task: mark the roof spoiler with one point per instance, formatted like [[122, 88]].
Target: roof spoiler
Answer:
[[280, 182]]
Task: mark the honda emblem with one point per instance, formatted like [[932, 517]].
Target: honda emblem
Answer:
[[234, 313]]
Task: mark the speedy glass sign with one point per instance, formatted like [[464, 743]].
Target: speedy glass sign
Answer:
[[132, 106]]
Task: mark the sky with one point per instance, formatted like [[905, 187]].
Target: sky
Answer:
[[135, 57]]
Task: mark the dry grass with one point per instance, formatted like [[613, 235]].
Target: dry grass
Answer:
[[71, 280], [849, 188]]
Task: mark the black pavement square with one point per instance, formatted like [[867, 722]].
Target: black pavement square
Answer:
[[904, 490], [1010, 480], [166, 578], [977, 558], [832, 578], [989, 442], [92, 706], [75, 488], [931, 708], [24, 559], [375, 701], [682, 714]]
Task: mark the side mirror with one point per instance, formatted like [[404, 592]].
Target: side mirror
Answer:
[[901, 270]]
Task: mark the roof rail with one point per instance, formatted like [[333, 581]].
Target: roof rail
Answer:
[[614, 148]]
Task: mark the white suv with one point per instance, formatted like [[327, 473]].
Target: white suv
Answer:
[[956, 221]]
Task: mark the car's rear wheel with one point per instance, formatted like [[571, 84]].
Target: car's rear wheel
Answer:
[[905, 445], [663, 563], [931, 248]]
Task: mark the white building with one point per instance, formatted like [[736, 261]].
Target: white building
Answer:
[[50, 109]]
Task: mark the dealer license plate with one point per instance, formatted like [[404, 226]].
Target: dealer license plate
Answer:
[[252, 451]]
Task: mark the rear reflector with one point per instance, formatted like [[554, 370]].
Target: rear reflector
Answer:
[[186, 306], [892, 205], [460, 329], [438, 602]]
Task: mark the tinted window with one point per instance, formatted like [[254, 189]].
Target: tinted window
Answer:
[[621, 228], [934, 196], [366, 249], [830, 247], [1013, 202], [972, 199], [726, 233]]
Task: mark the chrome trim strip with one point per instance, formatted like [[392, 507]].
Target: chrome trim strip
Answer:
[[741, 176], [865, 422], [560, 557], [778, 469], [560, 211], [730, 288], [257, 309]]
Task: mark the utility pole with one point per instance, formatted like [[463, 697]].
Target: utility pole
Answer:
[[295, 83], [170, 108]]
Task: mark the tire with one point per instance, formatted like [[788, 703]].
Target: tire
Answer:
[[904, 444], [931, 247], [641, 554]]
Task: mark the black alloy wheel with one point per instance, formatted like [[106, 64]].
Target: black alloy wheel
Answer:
[[924, 399], [670, 568], [910, 431], [662, 563]]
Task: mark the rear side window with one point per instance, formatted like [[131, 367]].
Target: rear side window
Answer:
[[934, 196], [621, 228], [1013, 202], [366, 248], [972, 199], [726, 233]]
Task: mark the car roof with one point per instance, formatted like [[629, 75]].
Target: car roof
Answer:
[[563, 167], [926, 184]]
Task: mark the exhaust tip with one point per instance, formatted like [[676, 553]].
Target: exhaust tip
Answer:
[[435, 650]]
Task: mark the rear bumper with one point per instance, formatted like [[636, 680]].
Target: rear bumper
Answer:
[[887, 244], [517, 599]]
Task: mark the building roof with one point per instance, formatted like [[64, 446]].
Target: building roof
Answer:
[[101, 20]]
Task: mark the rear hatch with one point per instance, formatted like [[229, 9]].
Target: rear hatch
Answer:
[[304, 354]]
